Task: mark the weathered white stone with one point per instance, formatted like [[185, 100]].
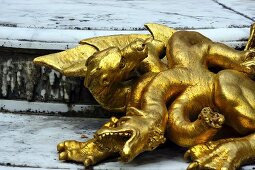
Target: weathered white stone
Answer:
[[60, 24], [241, 7], [55, 40], [29, 141], [115, 14], [47, 108]]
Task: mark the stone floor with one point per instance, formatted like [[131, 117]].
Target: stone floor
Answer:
[[60, 24], [125, 15], [29, 142]]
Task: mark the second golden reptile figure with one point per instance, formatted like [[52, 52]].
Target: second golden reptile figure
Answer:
[[190, 97]]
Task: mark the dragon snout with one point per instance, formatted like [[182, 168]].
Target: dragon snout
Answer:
[[115, 134]]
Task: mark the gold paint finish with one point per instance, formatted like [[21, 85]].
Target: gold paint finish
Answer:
[[172, 85]]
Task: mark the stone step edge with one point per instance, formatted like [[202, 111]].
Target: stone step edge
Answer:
[[57, 39], [43, 108]]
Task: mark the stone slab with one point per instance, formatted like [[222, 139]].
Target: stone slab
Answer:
[[119, 15], [53, 108], [242, 7], [56, 39], [29, 141], [60, 24]]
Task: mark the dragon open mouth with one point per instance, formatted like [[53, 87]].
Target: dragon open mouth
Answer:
[[113, 141], [123, 136]]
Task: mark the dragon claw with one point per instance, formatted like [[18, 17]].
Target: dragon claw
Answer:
[[193, 166], [88, 162], [187, 155], [63, 155], [213, 155], [61, 147], [69, 145], [88, 152]]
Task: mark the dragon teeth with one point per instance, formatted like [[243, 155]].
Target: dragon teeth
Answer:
[[101, 136]]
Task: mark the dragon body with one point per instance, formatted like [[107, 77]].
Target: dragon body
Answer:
[[177, 100]]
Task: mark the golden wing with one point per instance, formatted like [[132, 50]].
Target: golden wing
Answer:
[[251, 41], [62, 61], [72, 62], [160, 32], [103, 42]]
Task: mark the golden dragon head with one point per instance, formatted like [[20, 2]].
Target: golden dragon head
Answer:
[[113, 64], [129, 136]]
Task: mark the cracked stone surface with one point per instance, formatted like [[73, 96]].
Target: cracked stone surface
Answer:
[[241, 7], [124, 15], [29, 141]]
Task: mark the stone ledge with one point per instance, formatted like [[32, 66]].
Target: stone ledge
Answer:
[[53, 108], [21, 80], [125, 15], [57, 39]]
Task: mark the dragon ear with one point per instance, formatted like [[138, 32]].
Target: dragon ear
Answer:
[[160, 32], [70, 62]]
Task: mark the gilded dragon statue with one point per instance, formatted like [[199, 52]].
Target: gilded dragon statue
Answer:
[[174, 85]]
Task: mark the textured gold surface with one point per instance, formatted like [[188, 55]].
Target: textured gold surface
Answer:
[[202, 97]]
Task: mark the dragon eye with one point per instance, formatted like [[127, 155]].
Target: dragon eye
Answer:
[[122, 62], [122, 121]]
